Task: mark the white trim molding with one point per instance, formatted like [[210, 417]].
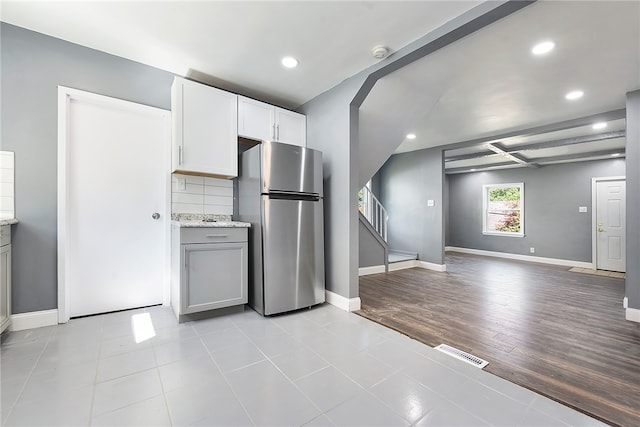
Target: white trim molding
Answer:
[[375, 269], [417, 263], [632, 314], [529, 258], [343, 303], [431, 266], [33, 319]]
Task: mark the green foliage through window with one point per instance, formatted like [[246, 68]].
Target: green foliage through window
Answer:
[[503, 208], [504, 194]]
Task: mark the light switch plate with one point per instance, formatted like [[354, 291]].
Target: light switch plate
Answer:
[[582, 209], [431, 202]]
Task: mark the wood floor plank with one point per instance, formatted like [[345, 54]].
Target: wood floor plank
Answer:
[[562, 334]]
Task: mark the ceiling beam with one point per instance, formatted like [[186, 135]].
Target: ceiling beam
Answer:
[[537, 130], [541, 145], [504, 165], [567, 141], [581, 156], [539, 161], [518, 158]]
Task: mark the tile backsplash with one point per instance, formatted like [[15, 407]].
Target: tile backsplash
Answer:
[[201, 195], [7, 187]]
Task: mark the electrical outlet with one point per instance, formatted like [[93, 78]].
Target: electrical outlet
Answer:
[[582, 209], [532, 250]]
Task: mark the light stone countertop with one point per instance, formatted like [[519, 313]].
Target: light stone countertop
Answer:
[[214, 224], [187, 220], [10, 221]]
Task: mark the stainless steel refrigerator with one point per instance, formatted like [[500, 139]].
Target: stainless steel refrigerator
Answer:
[[280, 194]]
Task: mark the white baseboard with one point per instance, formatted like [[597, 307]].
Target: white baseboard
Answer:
[[431, 266], [365, 271], [33, 319], [394, 266], [417, 263], [632, 314], [341, 302], [529, 258]]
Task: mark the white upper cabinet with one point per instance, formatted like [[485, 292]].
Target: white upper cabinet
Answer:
[[205, 136], [258, 120]]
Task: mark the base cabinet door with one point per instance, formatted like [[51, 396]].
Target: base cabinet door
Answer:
[[5, 287], [214, 276]]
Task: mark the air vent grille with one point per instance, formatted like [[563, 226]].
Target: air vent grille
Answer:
[[462, 355]]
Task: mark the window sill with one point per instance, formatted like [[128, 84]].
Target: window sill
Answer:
[[488, 233]]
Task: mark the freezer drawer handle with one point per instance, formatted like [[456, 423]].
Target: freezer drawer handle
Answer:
[[217, 235]]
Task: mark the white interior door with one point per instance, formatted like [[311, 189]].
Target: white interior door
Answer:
[[610, 225], [113, 176]]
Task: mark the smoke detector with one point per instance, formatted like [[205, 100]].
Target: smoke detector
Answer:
[[380, 52]]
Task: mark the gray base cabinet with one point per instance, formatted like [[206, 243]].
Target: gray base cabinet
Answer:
[[5, 277], [213, 265]]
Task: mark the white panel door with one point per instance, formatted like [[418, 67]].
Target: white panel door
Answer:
[[610, 225], [116, 173]]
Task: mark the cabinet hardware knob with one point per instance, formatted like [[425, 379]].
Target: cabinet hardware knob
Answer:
[[155, 215]]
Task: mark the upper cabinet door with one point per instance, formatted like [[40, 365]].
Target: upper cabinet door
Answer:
[[291, 127], [265, 122], [205, 137], [255, 119]]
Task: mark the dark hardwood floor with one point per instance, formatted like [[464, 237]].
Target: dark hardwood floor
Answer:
[[559, 333]]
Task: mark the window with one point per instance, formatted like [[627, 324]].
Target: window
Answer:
[[503, 209]]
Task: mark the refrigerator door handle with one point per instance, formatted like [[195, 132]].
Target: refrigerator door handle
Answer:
[[290, 195]]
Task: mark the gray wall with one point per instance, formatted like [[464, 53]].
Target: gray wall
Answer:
[[408, 180], [372, 253], [332, 130], [553, 225], [33, 65], [632, 284]]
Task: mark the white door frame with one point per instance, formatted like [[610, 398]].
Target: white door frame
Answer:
[[65, 96], [594, 207]]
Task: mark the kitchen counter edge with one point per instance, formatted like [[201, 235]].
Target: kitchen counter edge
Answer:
[[216, 224], [8, 221]]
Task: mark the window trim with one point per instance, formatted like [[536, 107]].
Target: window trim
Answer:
[[485, 200]]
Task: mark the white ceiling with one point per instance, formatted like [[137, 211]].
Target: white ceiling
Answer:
[[489, 83], [238, 45], [483, 85]]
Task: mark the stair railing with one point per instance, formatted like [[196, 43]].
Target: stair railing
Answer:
[[373, 211]]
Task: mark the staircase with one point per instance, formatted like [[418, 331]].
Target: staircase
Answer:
[[400, 256], [374, 218], [371, 208]]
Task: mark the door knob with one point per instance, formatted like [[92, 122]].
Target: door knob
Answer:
[[600, 229], [155, 215]]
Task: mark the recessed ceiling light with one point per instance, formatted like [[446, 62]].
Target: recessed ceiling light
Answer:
[[575, 94], [289, 62], [411, 136], [599, 125], [542, 48]]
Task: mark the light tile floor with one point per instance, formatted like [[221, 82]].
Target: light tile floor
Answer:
[[315, 367]]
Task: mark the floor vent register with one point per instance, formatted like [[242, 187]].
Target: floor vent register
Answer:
[[462, 355]]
